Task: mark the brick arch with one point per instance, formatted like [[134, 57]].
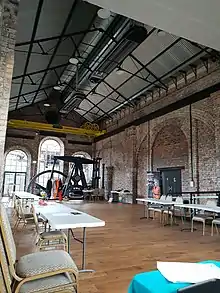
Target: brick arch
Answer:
[[170, 147], [145, 150]]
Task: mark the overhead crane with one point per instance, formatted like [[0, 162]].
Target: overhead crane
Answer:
[[88, 129]]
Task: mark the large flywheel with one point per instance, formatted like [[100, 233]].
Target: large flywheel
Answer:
[[33, 184]]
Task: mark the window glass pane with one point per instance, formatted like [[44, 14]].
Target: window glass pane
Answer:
[[48, 150], [16, 161]]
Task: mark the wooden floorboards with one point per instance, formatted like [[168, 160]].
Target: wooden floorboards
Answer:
[[127, 246]]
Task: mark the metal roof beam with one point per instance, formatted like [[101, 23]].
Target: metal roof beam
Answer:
[[68, 19], [37, 41], [40, 71], [37, 18], [163, 76]]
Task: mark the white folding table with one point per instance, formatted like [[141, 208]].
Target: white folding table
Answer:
[[23, 195], [61, 217], [212, 209]]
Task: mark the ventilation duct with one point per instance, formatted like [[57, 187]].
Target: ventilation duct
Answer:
[[129, 42], [72, 102]]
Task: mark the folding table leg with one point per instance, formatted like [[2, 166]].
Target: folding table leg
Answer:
[[84, 270], [83, 242]]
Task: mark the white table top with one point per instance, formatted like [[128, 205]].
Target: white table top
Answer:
[[59, 217], [213, 209], [71, 221], [156, 201], [26, 195], [51, 208]]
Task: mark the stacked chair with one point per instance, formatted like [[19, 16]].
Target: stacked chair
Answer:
[[44, 271]]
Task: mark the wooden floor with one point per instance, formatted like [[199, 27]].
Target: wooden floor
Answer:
[[127, 246]]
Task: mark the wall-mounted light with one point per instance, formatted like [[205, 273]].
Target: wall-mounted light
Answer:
[[119, 71], [161, 33], [34, 162]]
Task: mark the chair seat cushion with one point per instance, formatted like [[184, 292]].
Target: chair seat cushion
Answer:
[[53, 235], [216, 221], [49, 284], [43, 262]]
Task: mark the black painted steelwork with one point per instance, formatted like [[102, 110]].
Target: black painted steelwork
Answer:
[[37, 18], [74, 5]]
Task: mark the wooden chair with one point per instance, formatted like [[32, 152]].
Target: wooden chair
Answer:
[[44, 271], [48, 238]]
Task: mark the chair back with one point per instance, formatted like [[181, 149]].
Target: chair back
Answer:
[[5, 275], [169, 198], [35, 219], [7, 236], [163, 197], [179, 199]]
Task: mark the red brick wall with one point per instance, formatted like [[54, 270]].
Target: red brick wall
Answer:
[[165, 142]]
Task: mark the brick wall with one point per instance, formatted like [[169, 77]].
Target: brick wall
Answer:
[[165, 142], [8, 15]]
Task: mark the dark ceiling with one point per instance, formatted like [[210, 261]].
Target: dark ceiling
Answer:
[[113, 70]]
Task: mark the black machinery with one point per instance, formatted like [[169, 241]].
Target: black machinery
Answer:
[[74, 182]]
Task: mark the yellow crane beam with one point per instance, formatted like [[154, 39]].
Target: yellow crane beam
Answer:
[[88, 131]]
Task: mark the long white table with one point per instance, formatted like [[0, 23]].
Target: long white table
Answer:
[[23, 195], [212, 209], [61, 217]]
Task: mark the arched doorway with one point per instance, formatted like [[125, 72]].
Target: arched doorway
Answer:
[[86, 168], [15, 173], [48, 149]]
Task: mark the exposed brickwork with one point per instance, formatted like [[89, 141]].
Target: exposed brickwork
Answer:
[[165, 142], [8, 15]]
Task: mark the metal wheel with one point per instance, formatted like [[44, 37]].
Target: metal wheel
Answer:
[[33, 184]]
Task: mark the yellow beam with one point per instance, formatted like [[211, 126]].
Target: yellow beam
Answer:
[[21, 124]]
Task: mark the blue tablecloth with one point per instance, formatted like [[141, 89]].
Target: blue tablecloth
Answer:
[[154, 282]]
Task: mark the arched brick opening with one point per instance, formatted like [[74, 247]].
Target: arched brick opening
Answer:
[[170, 149]]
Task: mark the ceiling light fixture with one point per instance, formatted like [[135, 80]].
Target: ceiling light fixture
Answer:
[[73, 61], [161, 33], [46, 105], [119, 71], [104, 13], [57, 88]]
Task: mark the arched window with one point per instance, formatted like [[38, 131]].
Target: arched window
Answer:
[[87, 168], [49, 148], [15, 173]]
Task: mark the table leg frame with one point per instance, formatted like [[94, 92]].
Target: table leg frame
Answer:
[[83, 242]]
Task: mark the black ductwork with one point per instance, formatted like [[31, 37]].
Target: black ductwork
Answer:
[[128, 43], [73, 102]]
